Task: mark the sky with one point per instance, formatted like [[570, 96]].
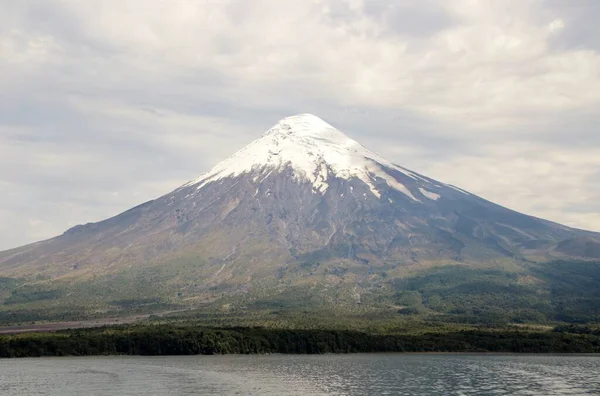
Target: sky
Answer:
[[108, 104]]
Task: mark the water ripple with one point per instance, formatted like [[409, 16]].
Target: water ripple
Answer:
[[283, 375]]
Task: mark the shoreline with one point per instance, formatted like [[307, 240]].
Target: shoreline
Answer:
[[83, 324]]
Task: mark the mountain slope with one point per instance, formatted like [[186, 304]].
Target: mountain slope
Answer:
[[304, 205]]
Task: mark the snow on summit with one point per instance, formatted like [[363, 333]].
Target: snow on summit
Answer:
[[315, 151]]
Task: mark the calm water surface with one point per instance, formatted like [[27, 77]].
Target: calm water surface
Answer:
[[393, 374]]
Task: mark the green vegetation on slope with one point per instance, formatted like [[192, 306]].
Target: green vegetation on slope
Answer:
[[543, 293]]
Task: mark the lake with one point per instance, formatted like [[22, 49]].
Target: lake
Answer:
[[363, 374]]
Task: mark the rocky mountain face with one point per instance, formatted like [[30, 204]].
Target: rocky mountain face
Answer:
[[303, 204]]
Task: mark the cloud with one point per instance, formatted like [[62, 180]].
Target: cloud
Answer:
[[106, 105], [577, 22]]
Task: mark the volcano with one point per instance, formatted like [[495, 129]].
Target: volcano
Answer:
[[302, 205]]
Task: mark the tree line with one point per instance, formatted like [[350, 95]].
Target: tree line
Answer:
[[181, 340]]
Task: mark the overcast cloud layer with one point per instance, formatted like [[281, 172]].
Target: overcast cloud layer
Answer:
[[107, 104]]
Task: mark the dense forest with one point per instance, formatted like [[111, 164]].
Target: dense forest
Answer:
[[182, 340]]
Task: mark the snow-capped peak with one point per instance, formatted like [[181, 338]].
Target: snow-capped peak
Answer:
[[308, 126], [314, 151]]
